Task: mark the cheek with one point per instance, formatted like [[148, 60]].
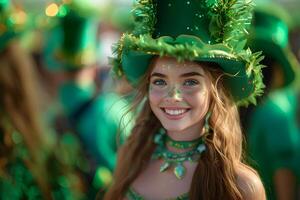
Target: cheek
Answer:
[[155, 95], [197, 99]]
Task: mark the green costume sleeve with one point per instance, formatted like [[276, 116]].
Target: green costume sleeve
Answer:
[[273, 129], [106, 116], [283, 143]]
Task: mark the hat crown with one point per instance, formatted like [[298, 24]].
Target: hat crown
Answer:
[[211, 21], [182, 17], [78, 27]]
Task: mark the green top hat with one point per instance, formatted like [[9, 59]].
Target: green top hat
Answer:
[[12, 23], [211, 30], [79, 28], [270, 34]]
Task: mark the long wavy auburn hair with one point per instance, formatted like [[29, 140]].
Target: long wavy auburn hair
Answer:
[[215, 176], [19, 112]]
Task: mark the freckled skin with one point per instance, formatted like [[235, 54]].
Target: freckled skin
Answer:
[[173, 90]]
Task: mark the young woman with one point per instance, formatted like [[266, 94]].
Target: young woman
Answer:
[[187, 140]]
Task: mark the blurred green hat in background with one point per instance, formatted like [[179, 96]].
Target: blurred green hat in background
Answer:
[[76, 35], [270, 34], [79, 27], [12, 22]]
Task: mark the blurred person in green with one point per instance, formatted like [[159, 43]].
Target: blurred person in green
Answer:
[[270, 35], [273, 129], [95, 117], [32, 164]]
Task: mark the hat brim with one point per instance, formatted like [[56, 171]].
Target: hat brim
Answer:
[[135, 65], [240, 77]]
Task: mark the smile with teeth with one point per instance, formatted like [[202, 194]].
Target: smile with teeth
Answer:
[[175, 112]]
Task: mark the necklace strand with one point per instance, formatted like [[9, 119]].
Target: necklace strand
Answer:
[[182, 144], [176, 160]]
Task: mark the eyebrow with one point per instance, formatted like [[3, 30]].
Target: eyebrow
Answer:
[[182, 75], [158, 75], [191, 74]]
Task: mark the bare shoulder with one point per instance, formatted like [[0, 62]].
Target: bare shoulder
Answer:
[[250, 184]]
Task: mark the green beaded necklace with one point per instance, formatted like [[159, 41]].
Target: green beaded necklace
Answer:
[[176, 160], [182, 144]]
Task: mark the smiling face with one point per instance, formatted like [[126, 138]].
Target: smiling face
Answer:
[[179, 96]]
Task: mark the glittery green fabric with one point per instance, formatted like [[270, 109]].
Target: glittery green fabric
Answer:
[[17, 181], [212, 31], [133, 195], [20, 184]]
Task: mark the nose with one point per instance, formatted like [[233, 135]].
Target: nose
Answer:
[[174, 94]]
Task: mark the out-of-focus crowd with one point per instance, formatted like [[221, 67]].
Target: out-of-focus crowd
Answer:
[[63, 113]]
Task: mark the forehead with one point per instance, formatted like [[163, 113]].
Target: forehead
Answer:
[[167, 65]]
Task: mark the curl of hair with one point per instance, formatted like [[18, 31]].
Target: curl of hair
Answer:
[[215, 175]]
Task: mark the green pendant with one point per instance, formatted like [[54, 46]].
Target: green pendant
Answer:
[[179, 171], [175, 160], [201, 148], [164, 167]]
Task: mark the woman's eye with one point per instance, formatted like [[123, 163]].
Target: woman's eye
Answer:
[[190, 82], [159, 82]]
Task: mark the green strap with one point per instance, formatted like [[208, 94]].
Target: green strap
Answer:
[[133, 195]]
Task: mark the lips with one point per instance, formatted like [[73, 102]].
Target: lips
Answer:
[[175, 113]]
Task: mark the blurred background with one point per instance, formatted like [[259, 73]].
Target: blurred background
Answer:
[[84, 109]]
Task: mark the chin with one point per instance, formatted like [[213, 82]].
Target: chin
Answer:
[[174, 127]]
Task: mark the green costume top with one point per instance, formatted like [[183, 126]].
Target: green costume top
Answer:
[[133, 195], [274, 136]]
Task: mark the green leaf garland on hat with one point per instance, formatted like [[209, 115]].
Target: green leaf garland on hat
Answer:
[[210, 30]]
